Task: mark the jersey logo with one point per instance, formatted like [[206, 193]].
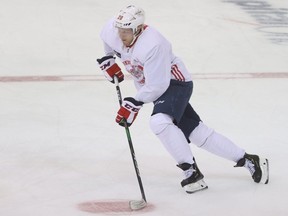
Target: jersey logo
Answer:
[[133, 109], [159, 102], [104, 66]]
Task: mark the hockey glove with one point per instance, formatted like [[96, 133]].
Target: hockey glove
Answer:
[[128, 110], [110, 68]]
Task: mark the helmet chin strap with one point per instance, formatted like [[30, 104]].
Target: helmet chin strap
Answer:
[[135, 36]]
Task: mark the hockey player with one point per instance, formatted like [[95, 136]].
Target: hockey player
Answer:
[[161, 77]]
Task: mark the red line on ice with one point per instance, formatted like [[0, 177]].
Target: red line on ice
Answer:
[[71, 78]]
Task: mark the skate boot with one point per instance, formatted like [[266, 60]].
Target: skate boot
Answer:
[[258, 167], [194, 178]]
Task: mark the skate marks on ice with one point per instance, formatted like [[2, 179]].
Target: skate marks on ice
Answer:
[[112, 207]]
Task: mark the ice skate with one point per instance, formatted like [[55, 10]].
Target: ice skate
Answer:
[[194, 178], [258, 167]]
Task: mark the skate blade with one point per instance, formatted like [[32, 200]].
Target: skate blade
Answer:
[[195, 187], [264, 164]]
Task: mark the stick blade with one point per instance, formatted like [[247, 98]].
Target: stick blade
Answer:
[[137, 204]]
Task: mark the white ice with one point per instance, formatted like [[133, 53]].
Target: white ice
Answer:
[[60, 146]]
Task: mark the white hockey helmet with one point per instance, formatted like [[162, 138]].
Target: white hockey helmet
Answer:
[[130, 17]]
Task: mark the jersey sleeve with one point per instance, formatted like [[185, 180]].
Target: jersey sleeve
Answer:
[[157, 68], [106, 37], [108, 50]]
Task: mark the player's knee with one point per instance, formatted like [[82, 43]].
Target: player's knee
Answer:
[[200, 134], [159, 122]]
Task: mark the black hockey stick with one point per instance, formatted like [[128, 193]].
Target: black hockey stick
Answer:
[[134, 204]]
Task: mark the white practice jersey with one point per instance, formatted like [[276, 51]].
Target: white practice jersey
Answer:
[[149, 60]]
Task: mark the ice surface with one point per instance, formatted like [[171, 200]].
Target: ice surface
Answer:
[[61, 152]]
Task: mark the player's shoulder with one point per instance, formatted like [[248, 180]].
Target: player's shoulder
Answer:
[[108, 31], [151, 38], [152, 35]]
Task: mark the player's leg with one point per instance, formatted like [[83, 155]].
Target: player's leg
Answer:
[[171, 137], [208, 139], [167, 111], [176, 144]]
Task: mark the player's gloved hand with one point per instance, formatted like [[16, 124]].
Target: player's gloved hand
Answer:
[[110, 68], [128, 110]]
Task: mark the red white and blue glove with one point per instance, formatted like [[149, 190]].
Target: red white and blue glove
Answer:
[[110, 68], [128, 110]]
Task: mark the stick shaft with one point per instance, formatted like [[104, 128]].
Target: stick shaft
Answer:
[[130, 142]]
